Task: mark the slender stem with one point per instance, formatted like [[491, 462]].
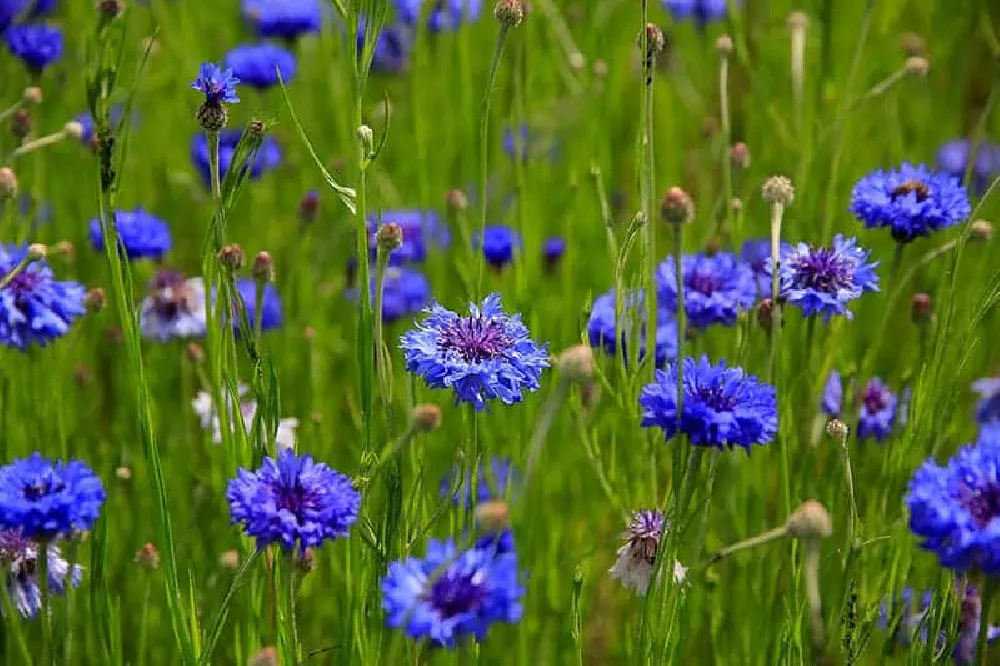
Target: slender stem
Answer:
[[811, 567], [213, 166], [681, 316], [383, 360], [42, 559], [8, 112], [542, 426], [647, 189], [42, 142], [777, 212], [9, 277], [727, 167], [759, 540], [473, 454], [897, 262], [853, 518], [292, 618]]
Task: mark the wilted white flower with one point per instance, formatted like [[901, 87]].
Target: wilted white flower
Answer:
[[204, 408], [634, 566]]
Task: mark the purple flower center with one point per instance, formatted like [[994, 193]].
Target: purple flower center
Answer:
[[915, 186], [715, 398], [822, 269], [875, 397], [292, 498], [12, 544], [982, 503], [171, 294], [475, 339], [455, 593], [39, 488], [702, 282]]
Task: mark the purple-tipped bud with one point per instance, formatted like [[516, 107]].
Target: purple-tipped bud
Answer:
[[653, 40], [739, 155], [677, 206], [20, 125], [263, 268], [232, 257], [309, 206], [921, 308], [765, 314], [388, 237]]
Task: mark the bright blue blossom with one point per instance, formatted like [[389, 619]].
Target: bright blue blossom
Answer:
[[34, 307], [954, 509], [406, 293], [20, 567], [953, 158], [441, 15], [878, 407], [392, 48], [912, 201], [722, 407], [756, 253], [493, 482], [553, 251], [268, 156], [498, 244], [36, 44], [823, 280], [421, 229], [140, 234], [450, 595], [293, 501], [701, 11], [988, 409], [716, 288], [217, 84], [284, 19], [12, 11], [257, 64], [271, 315], [47, 500], [486, 355], [604, 334], [174, 308]]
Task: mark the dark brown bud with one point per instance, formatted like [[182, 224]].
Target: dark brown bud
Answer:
[[96, 300], [677, 206], [263, 268], [388, 237], [232, 257]]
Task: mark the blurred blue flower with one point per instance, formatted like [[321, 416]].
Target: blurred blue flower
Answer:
[[553, 251], [87, 123], [878, 406], [406, 293], [716, 288], [832, 399], [284, 19], [823, 280], [37, 45], [174, 308], [12, 11], [953, 158], [493, 482], [35, 309], [19, 563], [908, 622], [722, 407], [293, 501], [756, 253], [954, 509], [499, 244], [271, 315], [257, 64], [604, 334], [702, 11], [450, 594], [442, 15], [420, 230], [988, 409], [140, 234], [217, 84], [392, 48], [46, 500], [912, 201], [484, 356], [268, 156]]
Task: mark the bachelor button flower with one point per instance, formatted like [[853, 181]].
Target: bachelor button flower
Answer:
[[208, 416], [702, 11], [446, 15], [953, 509], [217, 84], [284, 19], [486, 355], [912, 201], [823, 280], [604, 334], [878, 410], [174, 307], [953, 158], [140, 234], [36, 44], [34, 308], [636, 557], [47, 500], [756, 253], [271, 314], [716, 288], [392, 48], [498, 244], [450, 594], [988, 409], [420, 230], [406, 293], [722, 407], [493, 482], [19, 564], [268, 156], [257, 64], [293, 501], [553, 251]]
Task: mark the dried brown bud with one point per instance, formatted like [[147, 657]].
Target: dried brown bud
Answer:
[[577, 364], [810, 521], [918, 66], [456, 199], [73, 129], [232, 257], [306, 560], [124, 473], [309, 206], [110, 9], [736, 204], [20, 124], [724, 45], [493, 515], [426, 418], [148, 556], [194, 353], [837, 429], [577, 61], [37, 251], [913, 45], [653, 40], [778, 190], [64, 249], [265, 657], [765, 314], [256, 127], [230, 559], [32, 95], [677, 206], [797, 20], [263, 268]]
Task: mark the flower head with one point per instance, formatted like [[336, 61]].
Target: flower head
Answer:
[[878, 411], [46, 500], [34, 307], [486, 355], [406, 293], [208, 415], [268, 156], [823, 280], [702, 11], [602, 331], [174, 307], [988, 409], [37, 45], [716, 288], [912, 201], [19, 564], [271, 315], [140, 234], [293, 501], [450, 594], [498, 244], [258, 64], [637, 556], [721, 407], [441, 16], [285, 19], [953, 158], [217, 84], [421, 229], [553, 251]]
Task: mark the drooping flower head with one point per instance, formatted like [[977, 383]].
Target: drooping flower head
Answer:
[[912, 201], [208, 416], [271, 315], [823, 280], [20, 568], [35, 309], [421, 229], [405, 293], [218, 85], [450, 595], [988, 409], [257, 64], [37, 45], [140, 234], [268, 155], [283, 19], [716, 288], [637, 556], [603, 333], [293, 501], [722, 407], [954, 156], [486, 355], [498, 244], [174, 307], [46, 500]]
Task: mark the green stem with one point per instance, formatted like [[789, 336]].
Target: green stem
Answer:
[[542, 426], [727, 167], [648, 188], [42, 559], [759, 540]]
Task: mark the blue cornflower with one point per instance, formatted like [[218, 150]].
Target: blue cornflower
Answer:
[[140, 234], [716, 288], [392, 48], [722, 407], [493, 482], [293, 501], [34, 307], [15, 10], [988, 409], [878, 410], [912, 201], [441, 16], [756, 253], [484, 356], [515, 143], [832, 399], [553, 251], [47, 500], [498, 243], [285, 19], [270, 315], [421, 228], [19, 564], [702, 11], [257, 64], [823, 280], [268, 156], [174, 308], [450, 594], [217, 84], [953, 158], [953, 509], [603, 333], [36, 44], [406, 293]]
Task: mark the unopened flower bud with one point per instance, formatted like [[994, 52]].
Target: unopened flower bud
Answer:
[[677, 206], [231, 257], [264, 657], [509, 13], [20, 124], [600, 69], [73, 129], [123, 473], [367, 139], [724, 45], [493, 515], [456, 199], [980, 230], [736, 205], [194, 353], [309, 206], [713, 245], [918, 66], [148, 557], [837, 429], [306, 560], [426, 418], [778, 190], [256, 127], [765, 314], [37, 251], [263, 268], [921, 308], [577, 61], [96, 300], [577, 364], [110, 9], [913, 45], [739, 155], [230, 560], [388, 237], [32, 95], [8, 183], [810, 521], [654, 40], [64, 248]]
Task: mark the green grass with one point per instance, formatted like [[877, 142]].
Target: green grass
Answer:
[[120, 403]]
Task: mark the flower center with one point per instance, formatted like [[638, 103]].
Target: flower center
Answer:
[[823, 270], [982, 503], [292, 499], [475, 339], [453, 594], [39, 488], [701, 282], [875, 398], [171, 294], [917, 187], [715, 398]]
